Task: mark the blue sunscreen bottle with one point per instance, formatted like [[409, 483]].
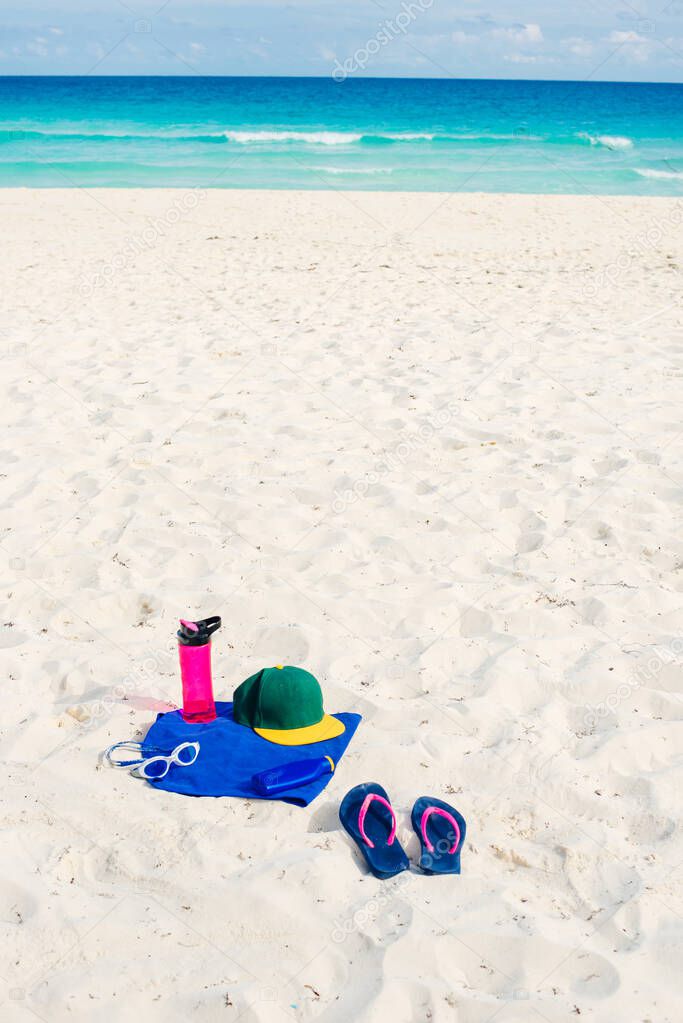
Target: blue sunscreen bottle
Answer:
[[291, 776]]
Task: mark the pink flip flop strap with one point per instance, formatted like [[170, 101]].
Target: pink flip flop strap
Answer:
[[363, 814], [440, 813]]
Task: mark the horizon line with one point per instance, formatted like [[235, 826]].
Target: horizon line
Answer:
[[363, 78]]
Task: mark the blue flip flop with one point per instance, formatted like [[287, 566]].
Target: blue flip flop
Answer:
[[367, 815], [440, 849]]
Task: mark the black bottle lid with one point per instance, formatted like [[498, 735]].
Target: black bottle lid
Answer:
[[197, 633]]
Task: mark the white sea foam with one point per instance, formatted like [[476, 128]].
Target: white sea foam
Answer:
[[353, 170], [615, 141], [609, 141], [493, 136], [660, 174], [408, 136], [405, 136], [320, 138], [341, 138]]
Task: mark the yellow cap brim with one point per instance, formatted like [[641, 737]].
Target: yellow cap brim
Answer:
[[328, 728]]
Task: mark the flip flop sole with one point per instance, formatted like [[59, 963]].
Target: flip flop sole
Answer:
[[384, 860]]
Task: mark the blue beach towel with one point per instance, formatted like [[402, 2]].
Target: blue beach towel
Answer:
[[230, 754]]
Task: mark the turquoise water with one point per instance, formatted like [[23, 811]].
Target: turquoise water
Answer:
[[313, 133]]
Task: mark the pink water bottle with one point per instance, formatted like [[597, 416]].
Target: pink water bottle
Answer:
[[194, 648]]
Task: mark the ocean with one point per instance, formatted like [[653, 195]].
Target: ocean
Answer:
[[452, 135]]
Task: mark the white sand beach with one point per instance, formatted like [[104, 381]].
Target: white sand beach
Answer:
[[427, 447]]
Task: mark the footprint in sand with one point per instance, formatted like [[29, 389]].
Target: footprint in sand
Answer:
[[11, 636], [281, 645], [16, 904], [529, 542], [475, 623]]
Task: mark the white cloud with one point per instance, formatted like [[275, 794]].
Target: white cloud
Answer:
[[520, 34], [579, 46], [478, 40], [532, 33], [527, 58], [626, 37], [37, 47], [637, 47]]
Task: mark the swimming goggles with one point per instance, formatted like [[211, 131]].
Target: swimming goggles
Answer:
[[151, 768]]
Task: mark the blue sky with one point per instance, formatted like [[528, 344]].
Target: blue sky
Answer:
[[605, 40]]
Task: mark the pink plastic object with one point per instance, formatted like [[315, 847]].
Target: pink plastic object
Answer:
[[363, 814], [439, 813], [194, 649]]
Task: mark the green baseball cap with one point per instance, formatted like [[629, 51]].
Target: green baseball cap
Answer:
[[284, 705]]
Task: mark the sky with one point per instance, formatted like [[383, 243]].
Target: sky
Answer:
[[600, 40]]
